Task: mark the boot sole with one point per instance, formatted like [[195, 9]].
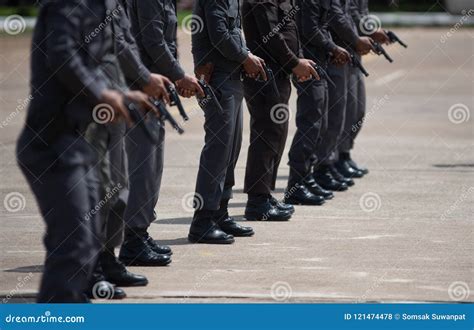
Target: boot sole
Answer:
[[129, 285], [136, 263], [261, 218], [289, 201], [199, 240]]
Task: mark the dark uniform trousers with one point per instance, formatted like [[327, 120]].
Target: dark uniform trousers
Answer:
[[267, 134], [311, 124], [108, 142], [64, 170], [355, 109], [145, 168], [223, 140], [326, 152]]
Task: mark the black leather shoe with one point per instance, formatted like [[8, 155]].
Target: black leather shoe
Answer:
[[160, 249], [228, 225], [300, 195], [282, 206], [136, 250], [104, 290], [204, 230], [116, 273], [343, 167], [260, 209], [339, 177], [324, 178], [316, 189], [356, 167]]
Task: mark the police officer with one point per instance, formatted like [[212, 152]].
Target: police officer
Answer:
[[154, 25], [344, 33], [356, 102], [52, 152], [312, 105], [271, 33], [109, 143], [220, 54]]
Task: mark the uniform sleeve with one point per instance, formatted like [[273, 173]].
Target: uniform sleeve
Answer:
[[310, 26], [341, 25], [151, 20], [266, 17], [127, 50], [220, 34], [359, 9], [64, 51]]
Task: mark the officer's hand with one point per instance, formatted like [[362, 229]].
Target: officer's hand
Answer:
[[116, 101], [188, 86], [305, 70], [381, 37], [156, 87], [142, 100], [253, 67], [340, 56], [364, 45]]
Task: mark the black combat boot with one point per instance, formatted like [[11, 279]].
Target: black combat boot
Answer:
[[136, 250], [324, 178], [205, 230], [347, 158], [260, 208], [227, 224], [115, 272]]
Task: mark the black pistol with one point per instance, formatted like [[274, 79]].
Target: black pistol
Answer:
[[148, 122], [210, 96], [394, 38], [323, 74], [357, 63], [379, 50], [270, 81], [165, 115], [176, 101]]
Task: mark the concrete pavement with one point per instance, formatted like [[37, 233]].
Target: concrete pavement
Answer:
[[403, 233]]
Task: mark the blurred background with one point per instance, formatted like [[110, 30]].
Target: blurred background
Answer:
[[28, 8]]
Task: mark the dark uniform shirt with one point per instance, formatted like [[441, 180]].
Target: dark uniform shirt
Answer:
[[342, 27], [359, 9], [271, 32], [66, 80], [217, 35], [154, 25]]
